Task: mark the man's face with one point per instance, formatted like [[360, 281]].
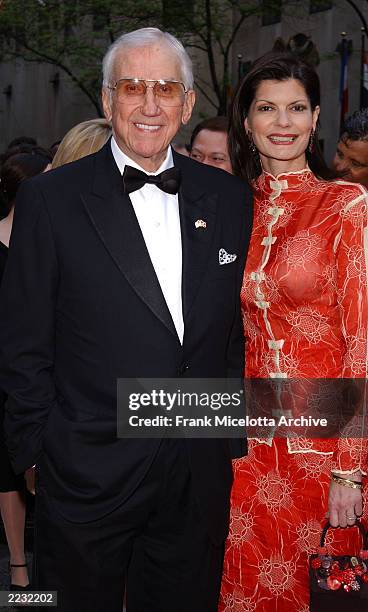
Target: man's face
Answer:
[[144, 130], [352, 158], [211, 148]]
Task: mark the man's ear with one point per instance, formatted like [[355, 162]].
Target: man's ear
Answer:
[[188, 106], [106, 103]]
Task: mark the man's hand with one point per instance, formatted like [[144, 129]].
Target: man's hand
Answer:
[[345, 504], [29, 476]]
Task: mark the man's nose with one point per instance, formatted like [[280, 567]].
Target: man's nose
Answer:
[[209, 162], [149, 106], [341, 165]]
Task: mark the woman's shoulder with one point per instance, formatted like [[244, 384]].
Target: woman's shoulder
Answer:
[[345, 195], [349, 189]]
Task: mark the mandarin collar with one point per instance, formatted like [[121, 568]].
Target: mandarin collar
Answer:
[[267, 183]]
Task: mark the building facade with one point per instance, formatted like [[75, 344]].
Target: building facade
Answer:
[[323, 22], [41, 101]]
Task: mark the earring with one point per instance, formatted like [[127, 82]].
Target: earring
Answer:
[[252, 146], [312, 139]]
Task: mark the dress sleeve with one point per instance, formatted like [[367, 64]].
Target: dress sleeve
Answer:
[[352, 289]]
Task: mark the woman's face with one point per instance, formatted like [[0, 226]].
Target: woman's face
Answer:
[[281, 120]]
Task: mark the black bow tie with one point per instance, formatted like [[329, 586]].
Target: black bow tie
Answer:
[[134, 179]]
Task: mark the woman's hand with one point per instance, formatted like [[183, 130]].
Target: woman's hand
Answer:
[[345, 504]]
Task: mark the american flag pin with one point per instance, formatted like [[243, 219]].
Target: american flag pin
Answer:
[[200, 223]]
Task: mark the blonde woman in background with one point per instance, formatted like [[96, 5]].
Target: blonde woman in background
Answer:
[[83, 139]]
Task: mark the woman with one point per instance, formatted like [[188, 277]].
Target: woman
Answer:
[[81, 140], [15, 169], [304, 301]]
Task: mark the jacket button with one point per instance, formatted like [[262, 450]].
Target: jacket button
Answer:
[[183, 369]]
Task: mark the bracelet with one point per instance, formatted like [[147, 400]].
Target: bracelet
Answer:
[[349, 479], [345, 482]]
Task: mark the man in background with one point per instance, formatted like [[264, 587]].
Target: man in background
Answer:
[[351, 156], [208, 143]]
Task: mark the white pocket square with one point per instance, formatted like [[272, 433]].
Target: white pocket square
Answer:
[[225, 258]]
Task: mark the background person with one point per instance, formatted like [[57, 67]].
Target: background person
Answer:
[[22, 140], [181, 148], [305, 315], [81, 140], [13, 172], [54, 147], [351, 158], [208, 143]]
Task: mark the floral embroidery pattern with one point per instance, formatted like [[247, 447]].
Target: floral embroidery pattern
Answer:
[[305, 313]]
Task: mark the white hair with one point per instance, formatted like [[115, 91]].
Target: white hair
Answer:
[[147, 37]]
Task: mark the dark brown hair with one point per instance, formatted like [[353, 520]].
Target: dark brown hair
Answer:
[[214, 124], [279, 66], [356, 126], [17, 168]]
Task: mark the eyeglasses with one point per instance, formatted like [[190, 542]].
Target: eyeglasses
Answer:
[[132, 91]]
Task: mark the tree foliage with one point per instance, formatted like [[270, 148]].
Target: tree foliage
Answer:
[[210, 27], [72, 35]]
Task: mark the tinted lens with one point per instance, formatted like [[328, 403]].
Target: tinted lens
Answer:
[[129, 89], [168, 93], [169, 90]]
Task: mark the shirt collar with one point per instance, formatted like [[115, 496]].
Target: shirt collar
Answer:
[[123, 160]]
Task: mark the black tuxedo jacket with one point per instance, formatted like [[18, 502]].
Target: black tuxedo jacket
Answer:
[[81, 306]]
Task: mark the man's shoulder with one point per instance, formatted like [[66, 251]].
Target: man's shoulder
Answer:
[[205, 172], [59, 191], [69, 175], [214, 179]]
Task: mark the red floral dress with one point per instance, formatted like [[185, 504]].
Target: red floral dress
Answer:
[[305, 312]]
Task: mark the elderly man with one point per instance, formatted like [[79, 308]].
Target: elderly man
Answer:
[[351, 156], [124, 264]]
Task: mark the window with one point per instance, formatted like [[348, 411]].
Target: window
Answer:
[[271, 12], [316, 6]]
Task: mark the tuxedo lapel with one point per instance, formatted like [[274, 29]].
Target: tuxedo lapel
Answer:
[[196, 205], [114, 219]]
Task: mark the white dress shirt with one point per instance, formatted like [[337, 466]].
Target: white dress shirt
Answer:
[[157, 213]]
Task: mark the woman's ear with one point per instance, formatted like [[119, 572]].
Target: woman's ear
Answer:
[[315, 117]]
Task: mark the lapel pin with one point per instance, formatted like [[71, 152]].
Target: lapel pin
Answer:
[[200, 223]]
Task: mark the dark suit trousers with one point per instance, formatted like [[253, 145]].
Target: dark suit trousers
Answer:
[[156, 542]]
